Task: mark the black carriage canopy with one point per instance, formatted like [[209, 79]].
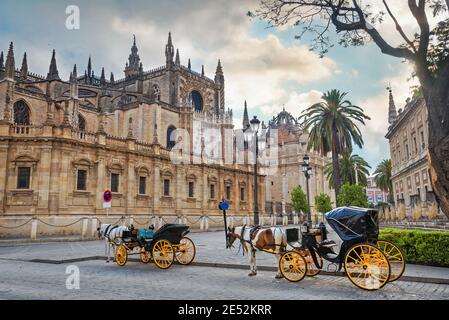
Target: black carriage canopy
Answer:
[[353, 222]]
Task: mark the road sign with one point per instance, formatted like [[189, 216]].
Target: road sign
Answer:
[[224, 205], [107, 205], [107, 196]]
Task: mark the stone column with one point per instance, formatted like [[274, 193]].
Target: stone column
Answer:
[[130, 187], [44, 179], [101, 185], [156, 188], [284, 192], [4, 146], [204, 191], [180, 179]]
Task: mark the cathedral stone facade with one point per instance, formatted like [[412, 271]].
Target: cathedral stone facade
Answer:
[[62, 143], [291, 149]]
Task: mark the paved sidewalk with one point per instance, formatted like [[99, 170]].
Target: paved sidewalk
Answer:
[[210, 249]]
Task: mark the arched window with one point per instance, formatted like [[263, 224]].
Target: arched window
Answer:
[[197, 101], [171, 137], [81, 123], [21, 113]]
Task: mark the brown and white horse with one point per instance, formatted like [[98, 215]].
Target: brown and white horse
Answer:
[[271, 240]]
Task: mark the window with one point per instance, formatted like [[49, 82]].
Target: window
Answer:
[[142, 185], [23, 178], [166, 187], [415, 144], [81, 179], [228, 192], [156, 92], [212, 191], [170, 137], [81, 123], [407, 152], [21, 114], [197, 101], [191, 189], [114, 182], [423, 141], [242, 194]]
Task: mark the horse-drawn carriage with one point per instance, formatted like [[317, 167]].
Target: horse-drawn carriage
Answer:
[[163, 246], [370, 263]]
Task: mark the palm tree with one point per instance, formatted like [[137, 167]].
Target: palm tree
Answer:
[[331, 126], [348, 163], [382, 177]]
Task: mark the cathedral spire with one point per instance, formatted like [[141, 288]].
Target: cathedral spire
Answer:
[[53, 73], [219, 77], [392, 114], [89, 67], [133, 65], [245, 117], [103, 77], [177, 60], [189, 65], [10, 65], [1, 65], [202, 70], [24, 68], [111, 79], [169, 51]]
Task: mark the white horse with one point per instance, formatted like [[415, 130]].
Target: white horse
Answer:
[[272, 240], [110, 233]]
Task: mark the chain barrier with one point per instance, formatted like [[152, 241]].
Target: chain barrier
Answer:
[[17, 227], [189, 221], [63, 226], [214, 221], [144, 223]]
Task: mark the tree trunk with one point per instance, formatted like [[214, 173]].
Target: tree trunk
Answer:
[[438, 110], [335, 165]]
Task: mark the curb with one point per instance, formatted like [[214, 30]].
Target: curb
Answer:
[[228, 266]]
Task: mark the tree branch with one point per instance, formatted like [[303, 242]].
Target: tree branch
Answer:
[[399, 28]]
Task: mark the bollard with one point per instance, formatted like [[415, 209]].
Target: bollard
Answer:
[[285, 220], [201, 223], [94, 228], [34, 229], [206, 223], [84, 229]]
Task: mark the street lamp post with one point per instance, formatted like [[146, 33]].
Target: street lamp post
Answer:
[[255, 123], [308, 173]]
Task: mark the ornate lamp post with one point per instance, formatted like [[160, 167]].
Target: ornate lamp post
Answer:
[[253, 134], [308, 173]]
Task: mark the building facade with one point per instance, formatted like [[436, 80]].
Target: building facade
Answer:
[[291, 149], [408, 137], [62, 143], [375, 195]]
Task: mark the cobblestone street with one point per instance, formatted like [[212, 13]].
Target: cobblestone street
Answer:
[[99, 280], [22, 279]]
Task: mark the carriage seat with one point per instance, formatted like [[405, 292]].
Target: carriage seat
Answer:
[[328, 243], [144, 234], [253, 231]]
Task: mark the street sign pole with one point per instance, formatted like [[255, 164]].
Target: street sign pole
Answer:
[[224, 205]]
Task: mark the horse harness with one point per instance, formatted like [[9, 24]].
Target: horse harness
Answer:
[[252, 235], [108, 231]]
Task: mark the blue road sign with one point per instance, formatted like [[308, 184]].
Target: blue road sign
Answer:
[[224, 205]]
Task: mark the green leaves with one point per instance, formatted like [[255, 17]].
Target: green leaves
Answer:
[[323, 203], [419, 246], [299, 200], [347, 164], [352, 195], [383, 176]]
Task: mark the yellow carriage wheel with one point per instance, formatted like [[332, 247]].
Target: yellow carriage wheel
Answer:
[[163, 254], [312, 269], [367, 266], [185, 252], [121, 255], [395, 257], [293, 266], [145, 256]]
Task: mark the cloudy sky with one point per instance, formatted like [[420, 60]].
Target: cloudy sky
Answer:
[[265, 66]]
